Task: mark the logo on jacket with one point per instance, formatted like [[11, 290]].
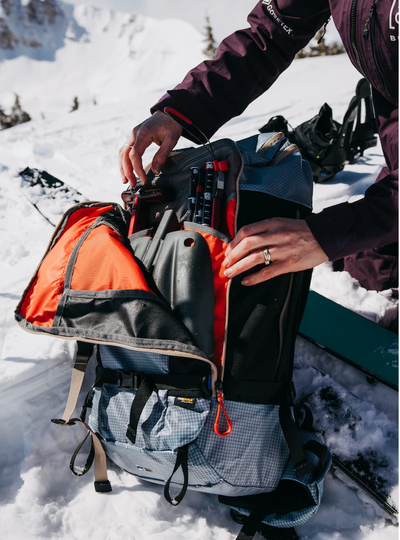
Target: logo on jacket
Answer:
[[279, 21], [393, 21]]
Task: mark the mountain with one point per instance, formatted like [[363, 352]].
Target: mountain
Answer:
[[51, 52]]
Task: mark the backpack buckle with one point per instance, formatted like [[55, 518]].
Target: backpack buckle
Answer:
[[128, 380]]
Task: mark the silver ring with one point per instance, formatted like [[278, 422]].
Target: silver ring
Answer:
[[127, 146], [267, 257]]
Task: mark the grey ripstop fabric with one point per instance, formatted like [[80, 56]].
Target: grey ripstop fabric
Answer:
[[289, 179]]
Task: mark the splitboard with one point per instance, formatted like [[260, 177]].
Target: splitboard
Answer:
[[50, 196], [354, 339], [363, 440]]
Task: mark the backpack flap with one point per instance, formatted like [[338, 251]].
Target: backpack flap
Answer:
[[89, 286]]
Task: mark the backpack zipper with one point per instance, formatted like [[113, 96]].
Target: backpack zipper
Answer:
[[219, 381], [353, 14], [370, 29]]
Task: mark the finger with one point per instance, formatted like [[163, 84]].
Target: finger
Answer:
[[126, 166], [121, 170], [269, 272], [162, 154], [249, 230], [245, 247], [254, 259]]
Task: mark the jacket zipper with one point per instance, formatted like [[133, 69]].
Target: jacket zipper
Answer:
[[370, 29], [353, 14]]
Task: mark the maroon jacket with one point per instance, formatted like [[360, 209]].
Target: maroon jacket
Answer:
[[249, 61]]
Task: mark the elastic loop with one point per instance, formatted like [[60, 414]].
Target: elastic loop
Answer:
[[220, 400]]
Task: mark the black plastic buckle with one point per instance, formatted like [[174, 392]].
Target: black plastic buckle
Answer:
[[129, 380], [61, 422], [102, 486]]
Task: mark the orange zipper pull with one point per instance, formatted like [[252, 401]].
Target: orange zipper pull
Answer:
[[220, 399]]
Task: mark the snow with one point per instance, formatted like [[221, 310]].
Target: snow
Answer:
[[39, 498]]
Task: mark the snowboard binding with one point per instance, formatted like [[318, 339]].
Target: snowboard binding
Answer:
[[325, 143]]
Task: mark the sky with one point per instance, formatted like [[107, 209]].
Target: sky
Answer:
[[226, 16]]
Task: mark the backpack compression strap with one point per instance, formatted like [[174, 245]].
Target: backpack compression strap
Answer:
[[101, 483], [253, 524]]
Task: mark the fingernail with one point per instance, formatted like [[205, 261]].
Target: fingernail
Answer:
[[228, 273], [228, 250], [225, 263], [245, 282]]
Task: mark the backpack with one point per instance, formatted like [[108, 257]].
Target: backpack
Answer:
[[325, 143], [193, 386]]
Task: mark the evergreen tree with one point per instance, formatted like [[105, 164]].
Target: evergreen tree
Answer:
[[75, 105], [210, 48], [18, 116]]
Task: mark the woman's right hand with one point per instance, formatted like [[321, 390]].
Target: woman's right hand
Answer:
[[160, 129]]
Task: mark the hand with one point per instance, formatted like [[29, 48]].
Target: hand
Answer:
[[160, 129], [290, 242]]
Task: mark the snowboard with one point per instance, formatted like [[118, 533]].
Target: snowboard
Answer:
[[352, 338], [50, 196], [363, 440]]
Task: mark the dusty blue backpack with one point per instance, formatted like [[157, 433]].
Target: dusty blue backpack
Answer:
[[193, 386]]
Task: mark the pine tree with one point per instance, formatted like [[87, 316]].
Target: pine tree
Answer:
[[75, 105], [18, 116], [211, 48]]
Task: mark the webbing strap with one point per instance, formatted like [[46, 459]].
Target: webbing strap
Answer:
[[142, 397], [253, 524], [101, 483], [83, 355], [293, 440], [181, 461]]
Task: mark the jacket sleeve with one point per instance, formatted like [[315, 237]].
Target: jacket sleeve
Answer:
[[247, 63], [371, 222]]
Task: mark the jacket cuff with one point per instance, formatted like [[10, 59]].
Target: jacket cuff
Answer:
[[333, 228], [189, 106]]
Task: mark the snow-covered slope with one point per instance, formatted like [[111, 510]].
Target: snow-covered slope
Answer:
[[94, 54], [39, 498]]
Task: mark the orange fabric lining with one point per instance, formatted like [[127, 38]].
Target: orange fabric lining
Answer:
[[228, 218], [104, 263], [217, 251], [41, 300]]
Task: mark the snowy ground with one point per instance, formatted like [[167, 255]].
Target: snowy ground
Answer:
[[39, 498]]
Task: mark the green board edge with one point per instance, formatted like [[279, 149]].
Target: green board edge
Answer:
[[353, 338]]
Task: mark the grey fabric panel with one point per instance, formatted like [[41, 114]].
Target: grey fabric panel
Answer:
[[255, 453], [162, 425], [128, 360], [316, 487], [291, 179], [138, 319]]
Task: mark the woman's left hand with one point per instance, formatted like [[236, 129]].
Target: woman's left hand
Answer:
[[291, 245]]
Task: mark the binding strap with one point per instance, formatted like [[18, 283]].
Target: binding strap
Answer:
[[101, 484], [181, 462]]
